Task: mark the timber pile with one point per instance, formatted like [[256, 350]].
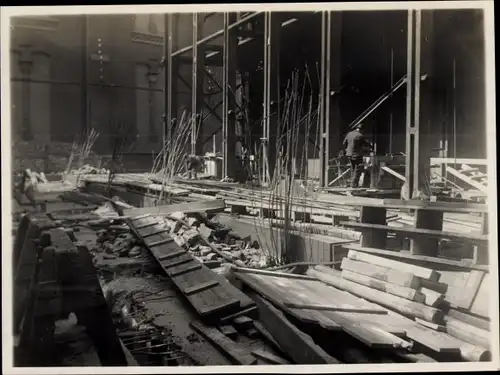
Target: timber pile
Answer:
[[444, 312]]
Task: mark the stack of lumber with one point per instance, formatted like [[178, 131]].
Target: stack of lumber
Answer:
[[444, 306]]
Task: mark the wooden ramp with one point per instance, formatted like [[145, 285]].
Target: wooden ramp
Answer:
[[212, 296]]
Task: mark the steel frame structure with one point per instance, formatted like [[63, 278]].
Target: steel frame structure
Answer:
[[416, 153]]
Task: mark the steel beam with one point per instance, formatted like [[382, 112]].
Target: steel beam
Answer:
[[229, 100], [198, 83], [271, 115], [419, 108]]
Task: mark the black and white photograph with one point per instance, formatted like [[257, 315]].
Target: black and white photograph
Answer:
[[262, 185]]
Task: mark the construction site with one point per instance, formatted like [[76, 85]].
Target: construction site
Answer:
[[188, 188]]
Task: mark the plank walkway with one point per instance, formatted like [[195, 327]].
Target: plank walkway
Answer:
[[212, 296]]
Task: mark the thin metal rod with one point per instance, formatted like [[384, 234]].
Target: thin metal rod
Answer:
[[416, 107], [391, 111], [409, 104]]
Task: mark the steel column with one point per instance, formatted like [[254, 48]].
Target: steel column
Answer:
[[324, 115], [85, 59], [198, 83], [271, 116], [419, 108], [229, 99]]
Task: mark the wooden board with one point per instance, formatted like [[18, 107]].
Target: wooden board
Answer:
[[215, 205], [423, 272], [413, 232], [471, 289], [423, 259], [405, 279], [397, 290]]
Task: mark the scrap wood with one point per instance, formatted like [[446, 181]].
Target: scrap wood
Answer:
[[397, 290], [402, 305], [234, 351], [423, 272], [386, 274], [335, 308]]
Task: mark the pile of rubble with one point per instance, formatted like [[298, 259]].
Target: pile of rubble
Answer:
[[88, 169], [209, 241], [118, 241]]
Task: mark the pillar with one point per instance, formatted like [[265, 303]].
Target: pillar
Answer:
[[419, 141], [197, 84], [229, 98]]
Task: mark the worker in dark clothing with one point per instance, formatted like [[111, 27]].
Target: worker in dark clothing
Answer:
[[356, 147], [193, 165]]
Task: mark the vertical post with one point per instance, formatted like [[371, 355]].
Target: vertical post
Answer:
[[409, 104], [271, 117], [197, 83], [85, 59], [325, 123], [419, 107], [229, 99]]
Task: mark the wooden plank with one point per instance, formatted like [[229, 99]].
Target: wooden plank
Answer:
[[183, 268], [200, 287], [468, 332], [215, 205], [386, 274], [269, 357], [413, 232], [470, 319], [229, 331], [271, 273], [172, 255], [159, 243], [390, 301], [218, 307], [234, 351], [433, 326], [296, 343], [183, 259], [243, 323], [250, 312], [155, 232], [406, 255], [437, 341], [335, 308], [425, 273], [471, 289], [397, 290]]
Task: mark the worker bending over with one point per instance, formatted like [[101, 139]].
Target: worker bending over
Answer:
[[193, 165], [356, 147]]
